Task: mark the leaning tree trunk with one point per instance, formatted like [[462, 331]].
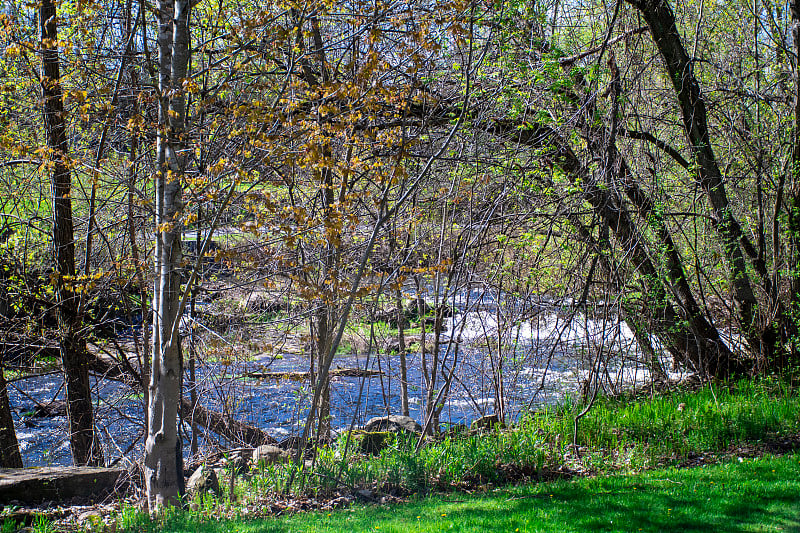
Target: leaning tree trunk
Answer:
[[660, 20], [72, 345], [163, 464], [701, 348]]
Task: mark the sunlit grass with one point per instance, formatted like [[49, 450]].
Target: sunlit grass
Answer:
[[676, 425]]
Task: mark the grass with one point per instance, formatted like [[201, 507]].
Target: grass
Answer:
[[691, 422], [752, 495]]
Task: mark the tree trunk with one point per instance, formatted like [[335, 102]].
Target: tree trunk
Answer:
[[695, 341], [322, 351], [9, 447], [401, 343], [423, 354], [72, 346], [793, 214], [163, 466]]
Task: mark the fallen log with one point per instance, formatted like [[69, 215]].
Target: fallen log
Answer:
[[301, 376], [226, 426]]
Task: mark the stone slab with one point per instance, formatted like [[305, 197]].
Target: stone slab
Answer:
[[33, 485]]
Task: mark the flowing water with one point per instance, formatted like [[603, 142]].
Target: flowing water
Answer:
[[541, 360]]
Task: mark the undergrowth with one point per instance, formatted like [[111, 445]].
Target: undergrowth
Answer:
[[742, 496]]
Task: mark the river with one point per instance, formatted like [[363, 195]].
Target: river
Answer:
[[545, 358]]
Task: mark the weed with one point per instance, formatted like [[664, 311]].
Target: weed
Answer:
[[42, 524]]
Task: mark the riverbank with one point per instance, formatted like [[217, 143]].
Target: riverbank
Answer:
[[715, 425]]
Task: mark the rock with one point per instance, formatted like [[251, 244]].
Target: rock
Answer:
[[374, 442], [267, 454], [486, 422], [366, 494], [203, 480], [91, 515], [48, 410], [244, 454], [392, 423], [238, 459], [446, 311], [293, 442], [91, 521], [390, 317], [391, 346], [32, 485]]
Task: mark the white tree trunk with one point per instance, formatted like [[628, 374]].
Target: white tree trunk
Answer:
[[163, 466]]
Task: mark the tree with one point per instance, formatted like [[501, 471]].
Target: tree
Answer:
[[163, 463], [72, 345], [639, 214]]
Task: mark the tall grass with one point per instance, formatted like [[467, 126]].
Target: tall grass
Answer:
[[449, 462], [616, 435], [676, 425]]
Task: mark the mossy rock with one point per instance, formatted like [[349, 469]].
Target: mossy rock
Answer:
[[392, 423], [203, 480], [487, 422], [374, 442]]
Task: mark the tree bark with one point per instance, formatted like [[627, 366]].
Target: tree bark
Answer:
[[793, 215], [72, 345], [401, 344], [9, 447], [163, 464]]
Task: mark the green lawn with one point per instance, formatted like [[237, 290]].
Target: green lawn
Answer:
[[749, 495]]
